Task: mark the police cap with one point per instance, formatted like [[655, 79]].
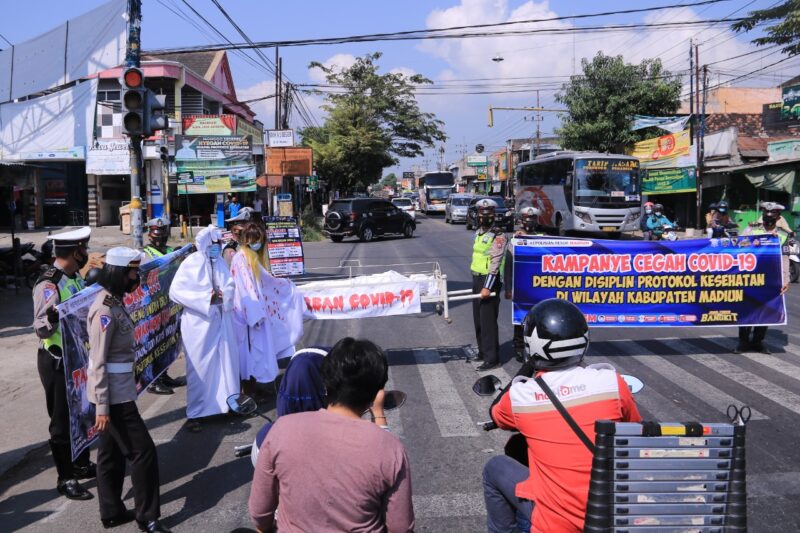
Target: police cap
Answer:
[[72, 238], [245, 214]]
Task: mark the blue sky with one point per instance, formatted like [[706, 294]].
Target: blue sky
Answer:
[[530, 62]]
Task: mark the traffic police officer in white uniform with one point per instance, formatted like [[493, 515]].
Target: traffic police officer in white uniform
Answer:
[[488, 251], [59, 283], [112, 390]]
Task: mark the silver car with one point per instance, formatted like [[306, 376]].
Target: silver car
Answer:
[[455, 210]]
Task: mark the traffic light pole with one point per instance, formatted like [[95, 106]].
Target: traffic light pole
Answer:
[[133, 59]]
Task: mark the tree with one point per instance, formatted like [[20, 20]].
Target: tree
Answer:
[[374, 119], [785, 33], [389, 180], [602, 102]]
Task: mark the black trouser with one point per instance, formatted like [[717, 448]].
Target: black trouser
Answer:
[[484, 315], [519, 341], [51, 373], [759, 332], [127, 438]]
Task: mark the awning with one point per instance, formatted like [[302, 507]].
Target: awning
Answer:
[[772, 179]]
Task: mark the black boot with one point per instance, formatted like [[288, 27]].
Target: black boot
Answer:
[[152, 526], [72, 490], [158, 387], [173, 382], [125, 518], [88, 471]]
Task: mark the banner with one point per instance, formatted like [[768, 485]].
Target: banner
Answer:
[[701, 282], [384, 294], [210, 125], [667, 151], [218, 164], [156, 330], [790, 102], [108, 158], [671, 124], [669, 181], [280, 138], [284, 246], [245, 129]]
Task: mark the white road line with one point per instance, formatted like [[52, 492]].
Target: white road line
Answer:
[[449, 505], [711, 395], [451, 414], [393, 417], [52, 517], [775, 363]]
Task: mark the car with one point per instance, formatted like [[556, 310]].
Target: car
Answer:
[[367, 219], [407, 205], [414, 198], [504, 217], [455, 210]]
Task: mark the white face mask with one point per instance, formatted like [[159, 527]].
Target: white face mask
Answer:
[[648, 211], [256, 246]]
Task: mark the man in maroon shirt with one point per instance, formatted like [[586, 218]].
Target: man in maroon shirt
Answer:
[[331, 470]]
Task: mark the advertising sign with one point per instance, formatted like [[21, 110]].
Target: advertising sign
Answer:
[[669, 181], [155, 319], [245, 129], [76, 152], [280, 138], [667, 151], [106, 158], [702, 282], [217, 164], [284, 246], [477, 160], [790, 108], [294, 161], [215, 125], [384, 294], [783, 150]]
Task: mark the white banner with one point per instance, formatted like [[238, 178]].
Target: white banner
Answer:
[[280, 138], [108, 158], [362, 297]]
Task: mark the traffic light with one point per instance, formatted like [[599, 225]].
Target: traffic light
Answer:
[[163, 153], [134, 96], [154, 116]]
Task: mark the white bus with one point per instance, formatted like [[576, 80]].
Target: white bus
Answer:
[[434, 190], [581, 191]]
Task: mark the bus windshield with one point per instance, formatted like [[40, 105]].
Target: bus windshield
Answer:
[[606, 178], [435, 179], [439, 194]]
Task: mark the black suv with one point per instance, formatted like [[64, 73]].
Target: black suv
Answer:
[[503, 216], [367, 218]]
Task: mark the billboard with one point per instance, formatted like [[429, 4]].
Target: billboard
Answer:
[[294, 161], [210, 125], [668, 151], [210, 164], [790, 106], [669, 180]]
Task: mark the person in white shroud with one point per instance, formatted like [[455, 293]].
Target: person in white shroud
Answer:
[[268, 311], [204, 286]]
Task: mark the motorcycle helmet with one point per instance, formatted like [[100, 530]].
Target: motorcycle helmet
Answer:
[[658, 209], [486, 212], [529, 218], [722, 207], [648, 207], [158, 232], [556, 334], [92, 276]]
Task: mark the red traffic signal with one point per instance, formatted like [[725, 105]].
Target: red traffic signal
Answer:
[[132, 78]]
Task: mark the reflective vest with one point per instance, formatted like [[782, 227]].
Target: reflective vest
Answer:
[[153, 252], [67, 288], [481, 257]]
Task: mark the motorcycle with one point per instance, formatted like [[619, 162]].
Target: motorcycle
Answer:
[[728, 231], [792, 249], [665, 232]]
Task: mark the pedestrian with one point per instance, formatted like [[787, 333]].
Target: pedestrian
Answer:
[[529, 222], [58, 284], [712, 212], [258, 206], [158, 233], [488, 252], [647, 215], [234, 207], [235, 225], [204, 287], [112, 389], [751, 338]]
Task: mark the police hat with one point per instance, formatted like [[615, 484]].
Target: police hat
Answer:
[[530, 212], [245, 214], [72, 238], [771, 206], [486, 203], [157, 223], [123, 256]]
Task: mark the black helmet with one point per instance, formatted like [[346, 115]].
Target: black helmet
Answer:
[[556, 334], [722, 206], [93, 276]]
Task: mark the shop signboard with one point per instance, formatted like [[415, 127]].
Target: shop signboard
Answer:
[[790, 108], [783, 150], [210, 125], [217, 164], [668, 151], [280, 138], [477, 160], [294, 161], [669, 181], [76, 152], [313, 183], [108, 158], [245, 129]]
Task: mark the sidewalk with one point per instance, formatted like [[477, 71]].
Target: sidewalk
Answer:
[[103, 238]]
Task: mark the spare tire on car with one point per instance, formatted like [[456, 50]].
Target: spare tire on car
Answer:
[[333, 220]]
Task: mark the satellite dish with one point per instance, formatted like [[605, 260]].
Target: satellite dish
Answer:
[[479, 148]]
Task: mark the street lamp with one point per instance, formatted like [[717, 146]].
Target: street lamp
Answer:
[[441, 157]]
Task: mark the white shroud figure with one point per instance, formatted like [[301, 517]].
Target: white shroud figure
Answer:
[[209, 337], [268, 313]]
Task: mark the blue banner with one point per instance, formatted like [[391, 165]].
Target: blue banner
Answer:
[[703, 282]]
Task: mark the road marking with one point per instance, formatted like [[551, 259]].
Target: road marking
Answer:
[[695, 386], [449, 410], [775, 363], [449, 505], [55, 514]]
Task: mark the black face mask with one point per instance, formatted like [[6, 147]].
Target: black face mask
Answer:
[[82, 259], [529, 225], [769, 220], [132, 284], [486, 221]]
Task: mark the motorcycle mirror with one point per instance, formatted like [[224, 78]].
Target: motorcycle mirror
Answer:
[[242, 404], [487, 385], [634, 384], [393, 399]]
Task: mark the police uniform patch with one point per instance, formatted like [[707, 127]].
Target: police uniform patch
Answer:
[[49, 291], [105, 320], [500, 239]]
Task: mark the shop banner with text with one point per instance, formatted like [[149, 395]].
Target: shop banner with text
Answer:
[[668, 151], [217, 164], [155, 319], [701, 282], [383, 294], [284, 246], [669, 181]]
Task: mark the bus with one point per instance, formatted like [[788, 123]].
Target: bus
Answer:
[[434, 189], [581, 191]]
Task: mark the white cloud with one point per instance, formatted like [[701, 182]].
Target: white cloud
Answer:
[[338, 61], [264, 109], [405, 71]]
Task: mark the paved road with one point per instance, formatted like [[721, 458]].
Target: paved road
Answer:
[[689, 375]]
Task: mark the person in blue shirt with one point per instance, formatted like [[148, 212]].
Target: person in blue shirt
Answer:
[[234, 207], [657, 221]]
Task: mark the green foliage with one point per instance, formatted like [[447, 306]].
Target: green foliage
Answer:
[[602, 102], [785, 31], [311, 225], [390, 180], [372, 122]]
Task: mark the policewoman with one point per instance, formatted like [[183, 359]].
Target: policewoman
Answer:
[[112, 390], [58, 284], [529, 222], [158, 233], [488, 251]]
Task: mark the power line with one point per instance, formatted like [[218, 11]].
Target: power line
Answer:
[[6, 40]]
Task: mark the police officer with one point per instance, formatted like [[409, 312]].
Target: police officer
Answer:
[[235, 226], [488, 252], [112, 390], [767, 224], [59, 283], [158, 233], [529, 222]]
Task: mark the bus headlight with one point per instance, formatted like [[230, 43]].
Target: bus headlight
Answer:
[[583, 215]]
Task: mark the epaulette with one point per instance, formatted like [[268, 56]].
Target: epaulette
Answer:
[[109, 301], [52, 275]]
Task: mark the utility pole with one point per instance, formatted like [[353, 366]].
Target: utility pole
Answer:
[[698, 171], [133, 59], [538, 125]]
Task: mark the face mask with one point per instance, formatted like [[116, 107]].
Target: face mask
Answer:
[[132, 284], [658, 213], [769, 219], [82, 259], [648, 211], [256, 246], [214, 250]]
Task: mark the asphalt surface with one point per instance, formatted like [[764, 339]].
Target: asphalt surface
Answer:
[[689, 374]]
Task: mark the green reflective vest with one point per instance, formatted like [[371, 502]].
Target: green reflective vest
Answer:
[[153, 252], [481, 248], [67, 288]]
